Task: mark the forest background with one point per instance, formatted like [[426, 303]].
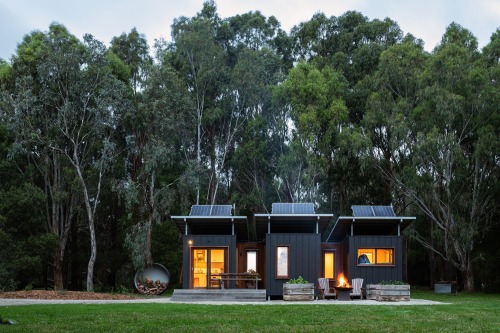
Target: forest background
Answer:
[[99, 146]]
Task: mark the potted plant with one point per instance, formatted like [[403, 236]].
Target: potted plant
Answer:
[[252, 277], [298, 289], [388, 291]]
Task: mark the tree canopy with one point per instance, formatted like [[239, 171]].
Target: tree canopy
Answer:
[[100, 144]]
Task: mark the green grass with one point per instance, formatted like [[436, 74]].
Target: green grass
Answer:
[[465, 313]]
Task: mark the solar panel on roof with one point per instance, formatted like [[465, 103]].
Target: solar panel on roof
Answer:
[[200, 210], [211, 210], [281, 208], [292, 208], [383, 211], [362, 211], [221, 210], [303, 208]]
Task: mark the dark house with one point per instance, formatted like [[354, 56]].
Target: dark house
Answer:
[[371, 243], [290, 242]]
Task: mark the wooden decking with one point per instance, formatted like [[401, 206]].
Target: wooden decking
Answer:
[[226, 295]]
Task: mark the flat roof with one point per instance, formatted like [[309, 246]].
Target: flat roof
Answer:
[[290, 223], [213, 225], [368, 225]]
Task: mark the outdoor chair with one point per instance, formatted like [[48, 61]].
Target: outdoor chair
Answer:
[[357, 284], [324, 287]]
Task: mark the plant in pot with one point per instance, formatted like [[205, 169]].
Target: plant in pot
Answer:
[[393, 291], [298, 289], [252, 277]]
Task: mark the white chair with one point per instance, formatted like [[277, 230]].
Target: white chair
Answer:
[[357, 284], [324, 287]]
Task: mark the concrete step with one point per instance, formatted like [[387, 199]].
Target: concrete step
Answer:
[[227, 295]]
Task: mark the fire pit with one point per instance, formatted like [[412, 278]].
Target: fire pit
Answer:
[[343, 293], [343, 290]]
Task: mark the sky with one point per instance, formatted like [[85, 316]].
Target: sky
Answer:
[[105, 19]]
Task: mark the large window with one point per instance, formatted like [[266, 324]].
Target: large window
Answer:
[[329, 265], [375, 256]]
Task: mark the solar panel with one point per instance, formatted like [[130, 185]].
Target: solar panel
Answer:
[[362, 211], [292, 208], [383, 211], [282, 208], [303, 208], [211, 210], [200, 210], [221, 210]]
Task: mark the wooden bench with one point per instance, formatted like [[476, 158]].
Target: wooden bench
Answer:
[[219, 278]]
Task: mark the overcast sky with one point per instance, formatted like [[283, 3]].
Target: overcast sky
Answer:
[[425, 19]]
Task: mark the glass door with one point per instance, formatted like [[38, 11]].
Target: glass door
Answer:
[[200, 268], [207, 264]]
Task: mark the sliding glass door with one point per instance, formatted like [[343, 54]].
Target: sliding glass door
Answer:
[[207, 263]]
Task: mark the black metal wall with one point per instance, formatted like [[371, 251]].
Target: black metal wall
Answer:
[[304, 259], [228, 241], [373, 273]]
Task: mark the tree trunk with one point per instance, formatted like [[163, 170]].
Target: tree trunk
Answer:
[[93, 255], [432, 261], [468, 276], [58, 269]]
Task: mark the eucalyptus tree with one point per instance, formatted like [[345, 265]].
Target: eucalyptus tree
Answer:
[[250, 30], [133, 50], [252, 80], [320, 119], [31, 117], [67, 106], [387, 121], [201, 63], [455, 168], [351, 44], [155, 133]]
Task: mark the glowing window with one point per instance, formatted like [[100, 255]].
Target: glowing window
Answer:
[[375, 256], [329, 265]]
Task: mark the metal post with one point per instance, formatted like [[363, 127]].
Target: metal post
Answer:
[[269, 224], [232, 226], [186, 226]]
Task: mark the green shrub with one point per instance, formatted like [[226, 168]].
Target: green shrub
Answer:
[[393, 282], [299, 280]]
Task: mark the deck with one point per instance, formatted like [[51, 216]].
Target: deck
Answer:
[[219, 295]]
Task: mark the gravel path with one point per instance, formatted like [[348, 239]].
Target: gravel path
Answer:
[[11, 302]]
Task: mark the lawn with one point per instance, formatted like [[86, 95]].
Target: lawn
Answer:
[[466, 313]]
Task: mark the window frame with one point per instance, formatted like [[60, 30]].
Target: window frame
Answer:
[[328, 251], [285, 249], [375, 264], [256, 258]]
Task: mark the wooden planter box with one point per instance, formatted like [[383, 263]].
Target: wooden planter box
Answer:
[[298, 292], [388, 292], [445, 288]]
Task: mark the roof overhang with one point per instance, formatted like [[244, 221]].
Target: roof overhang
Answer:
[[369, 225], [290, 223], [213, 225]]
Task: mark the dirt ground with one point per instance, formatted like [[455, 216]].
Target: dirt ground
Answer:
[[64, 294]]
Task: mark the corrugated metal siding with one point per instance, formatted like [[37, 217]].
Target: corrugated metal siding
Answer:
[[304, 259], [207, 241], [372, 273]]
